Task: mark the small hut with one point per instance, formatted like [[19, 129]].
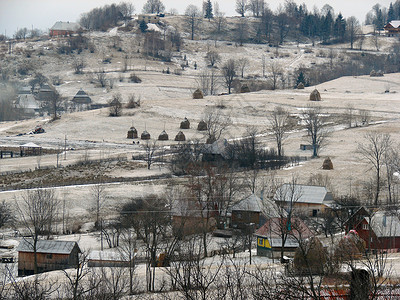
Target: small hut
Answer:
[[132, 133], [163, 136], [245, 89], [81, 100], [180, 137], [202, 126], [315, 95], [30, 149], [327, 165], [145, 135], [198, 94], [300, 86], [185, 124]]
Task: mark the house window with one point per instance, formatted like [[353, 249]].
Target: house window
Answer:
[[314, 212], [365, 226], [49, 256]]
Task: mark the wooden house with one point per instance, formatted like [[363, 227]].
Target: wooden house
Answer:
[[64, 29], [392, 28], [269, 236], [308, 199], [381, 230], [51, 255], [81, 101]]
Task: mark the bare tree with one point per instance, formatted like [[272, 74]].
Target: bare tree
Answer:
[[99, 196], [53, 103], [219, 25], [217, 123], [280, 125], [275, 71], [115, 106], [242, 65], [313, 118], [101, 77], [128, 251], [213, 58], [193, 19], [349, 115], [126, 9], [78, 63], [256, 7], [241, 7], [229, 73], [6, 214], [75, 286], [37, 215], [353, 29], [150, 148], [153, 7], [373, 150], [242, 30]]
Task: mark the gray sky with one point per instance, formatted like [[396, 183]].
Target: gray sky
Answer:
[[44, 13]]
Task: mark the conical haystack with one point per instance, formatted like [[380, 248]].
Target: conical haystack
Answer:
[[300, 86], [145, 135], [198, 94], [245, 89], [185, 124], [327, 165], [132, 133], [163, 136], [202, 126], [315, 95], [180, 137]]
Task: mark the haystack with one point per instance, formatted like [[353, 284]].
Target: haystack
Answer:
[[198, 94], [185, 124], [315, 95], [145, 135], [300, 86], [132, 133], [202, 126], [245, 89], [163, 136], [327, 165], [180, 137]]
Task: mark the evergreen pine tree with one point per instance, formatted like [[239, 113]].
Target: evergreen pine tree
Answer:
[[143, 26], [209, 10], [391, 13]]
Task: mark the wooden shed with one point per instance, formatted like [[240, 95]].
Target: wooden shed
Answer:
[[30, 149], [51, 255], [81, 101]]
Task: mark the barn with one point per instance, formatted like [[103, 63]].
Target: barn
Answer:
[[64, 29], [51, 255]]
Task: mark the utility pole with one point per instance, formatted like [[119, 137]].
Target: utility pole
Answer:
[[65, 147]]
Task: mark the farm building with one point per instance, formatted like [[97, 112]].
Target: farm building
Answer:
[[149, 18], [379, 231], [81, 101], [392, 28], [269, 236], [28, 104], [217, 151], [109, 259], [30, 149], [252, 210], [309, 199], [64, 29], [51, 255]]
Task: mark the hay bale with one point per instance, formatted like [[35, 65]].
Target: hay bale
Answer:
[[198, 94], [132, 133], [315, 95], [185, 124], [163, 136], [145, 135], [202, 126], [245, 89], [300, 86], [180, 137], [327, 164]]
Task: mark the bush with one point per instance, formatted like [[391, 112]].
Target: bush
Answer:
[[132, 102], [134, 78]]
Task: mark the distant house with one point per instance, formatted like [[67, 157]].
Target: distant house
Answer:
[[149, 18], [28, 104], [46, 93], [81, 101], [30, 149], [218, 151], [392, 28], [309, 199], [269, 238], [252, 210], [108, 259], [51, 255], [64, 29], [379, 231]]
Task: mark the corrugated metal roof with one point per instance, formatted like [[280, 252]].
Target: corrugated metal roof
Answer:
[[68, 26], [303, 194], [47, 246], [385, 225]]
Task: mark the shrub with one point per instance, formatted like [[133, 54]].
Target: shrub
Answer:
[[134, 78]]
